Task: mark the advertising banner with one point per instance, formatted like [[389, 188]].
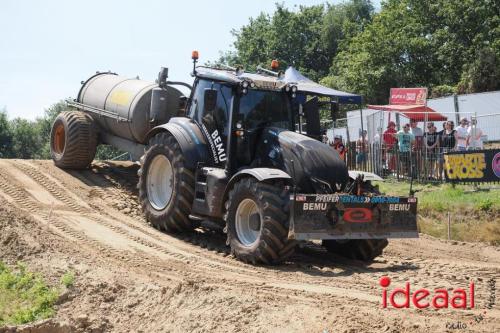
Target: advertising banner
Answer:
[[408, 96], [479, 166]]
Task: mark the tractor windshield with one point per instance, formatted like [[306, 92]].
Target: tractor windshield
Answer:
[[264, 108]]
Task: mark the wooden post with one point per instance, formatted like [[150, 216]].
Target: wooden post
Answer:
[[449, 226]]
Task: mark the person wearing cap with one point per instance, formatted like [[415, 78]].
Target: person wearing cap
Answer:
[[338, 145], [390, 145], [462, 135]]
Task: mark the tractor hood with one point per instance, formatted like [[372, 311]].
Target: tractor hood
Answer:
[[314, 166]]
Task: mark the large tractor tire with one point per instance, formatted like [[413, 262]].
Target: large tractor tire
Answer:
[[166, 185], [357, 249], [73, 140], [257, 222]]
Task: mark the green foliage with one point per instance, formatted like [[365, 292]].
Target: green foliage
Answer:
[[21, 138], [5, 135], [422, 43], [106, 152], [307, 38], [485, 204], [442, 91], [27, 139], [482, 74], [448, 45], [24, 296], [68, 279]]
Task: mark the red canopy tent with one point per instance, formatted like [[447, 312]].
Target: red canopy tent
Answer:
[[413, 112]]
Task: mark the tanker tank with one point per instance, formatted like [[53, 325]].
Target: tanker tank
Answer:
[[127, 107]]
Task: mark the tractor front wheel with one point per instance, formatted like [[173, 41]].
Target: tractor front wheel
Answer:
[[257, 217], [166, 185]]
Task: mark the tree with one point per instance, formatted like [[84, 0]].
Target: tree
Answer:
[[308, 39], [483, 74], [26, 139], [419, 43], [5, 135]]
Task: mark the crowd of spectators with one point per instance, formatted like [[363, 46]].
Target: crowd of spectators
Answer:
[[418, 151], [411, 151]]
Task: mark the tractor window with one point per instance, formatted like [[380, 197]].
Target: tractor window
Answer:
[[260, 108], [218, 118]]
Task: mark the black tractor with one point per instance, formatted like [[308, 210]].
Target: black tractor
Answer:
[[238, 157]]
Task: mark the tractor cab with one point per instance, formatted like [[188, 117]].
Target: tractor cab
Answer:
[[233, 109]]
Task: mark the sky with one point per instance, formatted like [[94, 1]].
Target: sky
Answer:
[[48, 47]]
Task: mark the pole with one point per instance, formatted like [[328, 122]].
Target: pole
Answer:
[[362, 136], [449, 226]]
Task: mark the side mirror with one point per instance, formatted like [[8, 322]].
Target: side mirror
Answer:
[[210, 100]]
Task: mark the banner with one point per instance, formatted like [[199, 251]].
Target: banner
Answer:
[[408, 96], [478, 166]]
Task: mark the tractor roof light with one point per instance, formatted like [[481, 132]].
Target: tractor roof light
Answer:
[[194, 55], [294, 89], [245, 84], [275, 64]]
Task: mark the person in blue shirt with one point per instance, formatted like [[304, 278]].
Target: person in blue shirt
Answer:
[[406, 139]]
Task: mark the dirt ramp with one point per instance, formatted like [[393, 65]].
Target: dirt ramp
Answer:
[[129, 277]]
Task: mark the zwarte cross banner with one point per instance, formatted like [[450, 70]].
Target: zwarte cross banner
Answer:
[[479, 166]]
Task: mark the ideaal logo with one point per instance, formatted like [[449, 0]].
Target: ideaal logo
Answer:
[[423, 298], [465, 166]]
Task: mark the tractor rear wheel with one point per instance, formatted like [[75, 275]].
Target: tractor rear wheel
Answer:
[[166, 185], [257, 222], [73, 140], [357, 249]]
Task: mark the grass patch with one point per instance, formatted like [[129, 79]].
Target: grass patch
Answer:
[[68, 279], [24, 296], [475, 213]]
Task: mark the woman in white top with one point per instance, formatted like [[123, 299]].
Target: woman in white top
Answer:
[[462, 135]]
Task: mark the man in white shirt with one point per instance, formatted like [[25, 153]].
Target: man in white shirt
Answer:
[[474, 134], [462, 135]]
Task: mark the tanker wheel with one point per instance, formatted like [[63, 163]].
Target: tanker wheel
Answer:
[[73, 140], [166, 185], [257, 216], [358, 249]]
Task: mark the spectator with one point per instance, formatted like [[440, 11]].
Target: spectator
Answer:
[[417, 133], [462, 135], [389, 146], [419, 138], [431, 141], [447, 143], [475, 136], [361, 149], [338, 145], [405, 141]]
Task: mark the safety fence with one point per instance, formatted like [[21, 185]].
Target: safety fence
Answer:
[[379, 150]]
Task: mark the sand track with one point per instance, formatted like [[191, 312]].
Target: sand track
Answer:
[[90, 222]]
